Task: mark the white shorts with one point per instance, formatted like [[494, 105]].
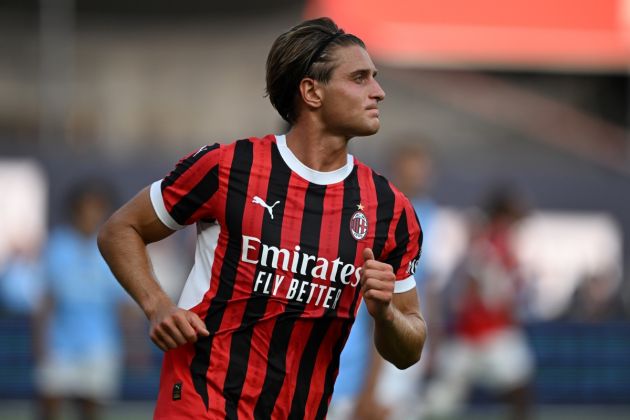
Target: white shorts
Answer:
[[94, 378], [500, 362], [397, 390]]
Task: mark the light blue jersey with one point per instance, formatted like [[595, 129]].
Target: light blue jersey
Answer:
[[84, 321]]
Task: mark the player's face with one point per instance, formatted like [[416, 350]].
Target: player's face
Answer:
[[351, 96]]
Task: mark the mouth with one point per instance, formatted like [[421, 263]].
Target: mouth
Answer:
[[373, 111]]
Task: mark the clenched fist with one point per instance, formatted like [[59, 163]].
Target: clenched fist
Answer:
[[377, 286], [172, 327]]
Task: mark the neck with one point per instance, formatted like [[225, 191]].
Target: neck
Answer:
[[317, 150]]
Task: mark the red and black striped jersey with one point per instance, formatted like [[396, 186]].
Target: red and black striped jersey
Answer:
[[276, 275]]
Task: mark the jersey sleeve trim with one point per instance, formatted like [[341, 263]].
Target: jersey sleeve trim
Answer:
[[160, 209], [404, 285]]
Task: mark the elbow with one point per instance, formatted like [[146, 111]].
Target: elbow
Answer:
[[406, 363], [413, 353], [403, 366], [103, 238]]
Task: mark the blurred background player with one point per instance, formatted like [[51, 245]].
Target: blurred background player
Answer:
[[485, 344], [78, 345]]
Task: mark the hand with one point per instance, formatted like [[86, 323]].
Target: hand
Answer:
[[377, 286], [172, 327]]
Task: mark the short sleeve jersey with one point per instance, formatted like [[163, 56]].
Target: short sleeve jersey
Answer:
[[276, 275]]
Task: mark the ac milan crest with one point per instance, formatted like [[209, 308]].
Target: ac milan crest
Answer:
[[358, 225]]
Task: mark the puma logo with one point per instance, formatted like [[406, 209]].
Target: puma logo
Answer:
[[260, 201]]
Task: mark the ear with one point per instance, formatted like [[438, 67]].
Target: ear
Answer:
[[311, 92]]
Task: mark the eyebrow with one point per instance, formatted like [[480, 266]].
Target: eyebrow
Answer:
[[364, 72]]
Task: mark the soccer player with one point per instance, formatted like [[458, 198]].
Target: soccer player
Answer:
[[292, 233]]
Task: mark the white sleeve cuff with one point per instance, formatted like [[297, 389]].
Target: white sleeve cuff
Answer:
[[158, 205], [405, 285]]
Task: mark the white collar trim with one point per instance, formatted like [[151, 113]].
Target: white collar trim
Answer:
[[311, 175]]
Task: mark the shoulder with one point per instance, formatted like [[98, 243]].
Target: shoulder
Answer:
[[228, 149], [385, 189], [212, 154], [266, 140], [227, 144]]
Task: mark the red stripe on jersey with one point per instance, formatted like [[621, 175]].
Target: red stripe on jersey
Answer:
[[324, 359], [299, 337], [262, 173], [219, 257], [188, 179], [369, 200], [331, 223], [390, 245], [413, 246], [233, 313], [252, 224], [173, 372], [348, 307], [339, 331], [257, 368]]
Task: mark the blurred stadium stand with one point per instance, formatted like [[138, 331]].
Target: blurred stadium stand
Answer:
[[577, 364]]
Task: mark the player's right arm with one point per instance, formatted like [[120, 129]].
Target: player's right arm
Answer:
[[123, 243]]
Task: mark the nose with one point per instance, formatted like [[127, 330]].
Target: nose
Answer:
[[379, 93]]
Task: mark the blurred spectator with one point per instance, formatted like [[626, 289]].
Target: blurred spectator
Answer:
[[77, 339], [486, 345], [411, 168], [597, 299], [21, 287]]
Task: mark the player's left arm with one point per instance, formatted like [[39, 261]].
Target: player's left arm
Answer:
[[399, 327]]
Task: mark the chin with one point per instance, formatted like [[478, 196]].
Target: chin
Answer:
[[364, 133], [368, 128], [371, 129]]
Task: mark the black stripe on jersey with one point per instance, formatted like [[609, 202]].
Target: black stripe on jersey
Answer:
[[347, 253], [421, 236], [197, 196], [402, 239], [384, 212], [307, 365], [185, 164], [309, 244], [256, 305], [333, 368], [235, 207]]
